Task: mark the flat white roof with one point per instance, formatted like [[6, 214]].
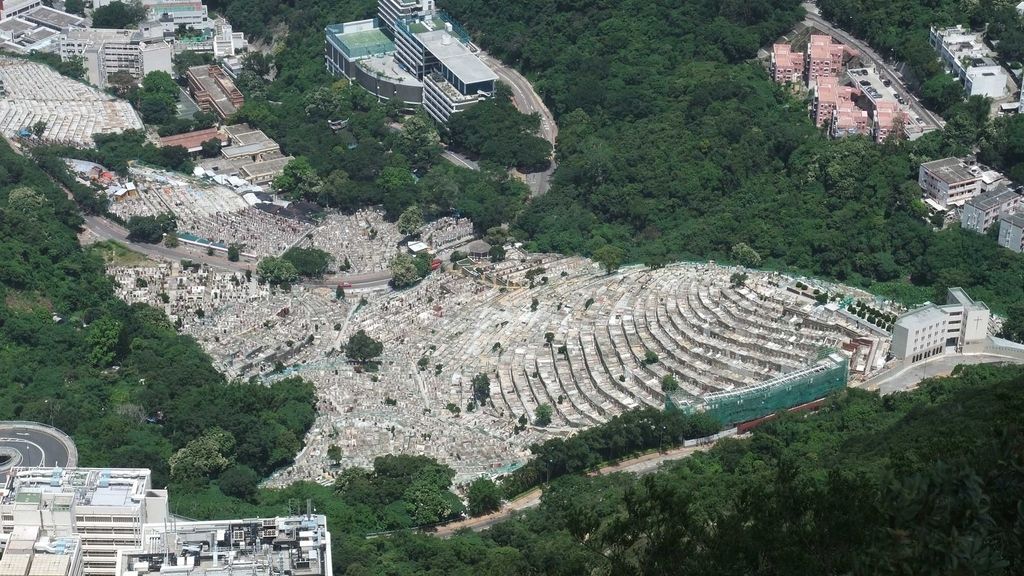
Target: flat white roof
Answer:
[[456, 57]]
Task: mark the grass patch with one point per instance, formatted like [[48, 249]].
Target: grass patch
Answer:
[[117, 254]]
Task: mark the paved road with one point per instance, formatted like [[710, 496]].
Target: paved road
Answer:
[[459, 160], [640, 465], [528, 101], [31, 444], [909, 377], [107, 230], [366, 281], [932, 121]]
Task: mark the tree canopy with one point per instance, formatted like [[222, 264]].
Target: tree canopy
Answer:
[[119, 14]]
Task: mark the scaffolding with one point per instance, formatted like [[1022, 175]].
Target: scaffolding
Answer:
[[778, 394]]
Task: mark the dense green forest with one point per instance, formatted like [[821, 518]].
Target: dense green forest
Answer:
[[928, 482], [118, 378]]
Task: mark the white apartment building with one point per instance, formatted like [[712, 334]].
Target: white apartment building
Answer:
[[31, 551], [1011, 232], [105, 508], [950, 181], [9, 8], [981, 212], [391, 11], [965, 54], [108, 51], [960, 324]]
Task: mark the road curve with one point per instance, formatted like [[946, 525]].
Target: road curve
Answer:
[[34, 444], [812, 18], [640, 465], [528, 101]]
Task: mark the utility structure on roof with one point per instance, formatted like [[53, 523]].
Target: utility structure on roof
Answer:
[[414, 54], [112, 522]]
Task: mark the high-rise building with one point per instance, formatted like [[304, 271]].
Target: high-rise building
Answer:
[[415, 54]]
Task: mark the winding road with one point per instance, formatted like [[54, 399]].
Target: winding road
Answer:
[[33, 444], [641, 465], [528, 101]]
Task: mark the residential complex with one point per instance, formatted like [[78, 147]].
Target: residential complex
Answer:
[[107, 51], [949, 182], [985, 209], [960, 324], [1011, 231], [213, 90], [965, 55], [412, 53], [111, 522]]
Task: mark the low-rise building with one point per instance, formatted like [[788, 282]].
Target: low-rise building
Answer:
[[787, 66], [965, 55], [251, 155], [106, 51], [213, 90], [20, 36], [830, 96], [11, 8], [188, 13], [950, 181], [961, 324], [985, 209], [849, 120], [889, 119], [1011, 231]]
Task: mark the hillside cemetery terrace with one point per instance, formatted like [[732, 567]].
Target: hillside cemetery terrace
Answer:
[[587, 344], [73, 111]]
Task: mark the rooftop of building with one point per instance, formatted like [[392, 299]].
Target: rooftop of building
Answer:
[[360, 39], [456, 56], [83, 486], [218, 85], [295, 545], [951, 170], [262, 168], [192, 140], [32, 552], [958, 296], [822, 46], [1015, 219], [52, 18], [97, 35], [924, 316], [994, 198]]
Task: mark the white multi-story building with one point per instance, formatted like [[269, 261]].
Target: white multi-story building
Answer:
[[960, 324], [1011, 231], [983, 211], [965, 54], [106, 51], [111, 522], [106, 508], [391, 11], [950, 181], [9, 8], [189, 13]]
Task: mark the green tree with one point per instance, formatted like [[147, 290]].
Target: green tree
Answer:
[[362, 348], [309, 262], [75, 7], [484, 497], [669, 383], [102, 337], [211, 148], [542, 416], [481, 388], [334, 454], [119, 15], [258, 63], [745, 255], [275, 271], [411, 220], [39, 128], [233, 252], [239, 481], [1013, 326], [419, 141], [298, 180], [610, 257], [403, 271], [203, 457]]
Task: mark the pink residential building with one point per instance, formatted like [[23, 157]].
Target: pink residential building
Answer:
[[825, 57], [829, 97], [787, 66], [849, 120], [888, 117]]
